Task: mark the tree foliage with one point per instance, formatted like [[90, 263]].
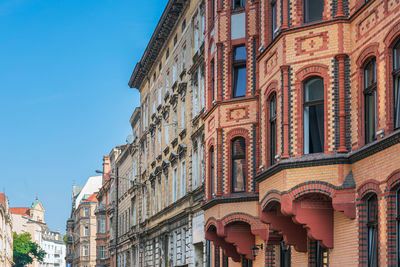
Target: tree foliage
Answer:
[[25, 251]]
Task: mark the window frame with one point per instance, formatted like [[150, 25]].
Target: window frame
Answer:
[[372, 226], [274, 18], [241, 6], [238, 157], [310, 104], [306, 18], [236, 65], [369, 90], [396, 91], [212, 171], [272, 129], [398, 226]]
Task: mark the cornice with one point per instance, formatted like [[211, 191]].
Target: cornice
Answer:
[[331, 159]]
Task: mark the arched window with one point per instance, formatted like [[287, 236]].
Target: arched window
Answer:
[[313, 10], [372, 226], [314, 115], [238, 164], [370, 101], [272, 129], [212, 171], [396, 83]]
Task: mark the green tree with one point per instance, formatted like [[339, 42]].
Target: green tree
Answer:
[[25, 251]]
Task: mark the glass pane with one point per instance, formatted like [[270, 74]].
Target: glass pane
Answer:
[[272, 142], [272, 106], [372, 208], [238, 175], [369, 73], [369, 118], [313, 10], [238, 147], [314, 89], [396, 56], [239, 81], [273, 18], [396, 96], [372, 247], [314, 129], [240, 53]]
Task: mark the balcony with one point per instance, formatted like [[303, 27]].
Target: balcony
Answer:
[[69, 257]]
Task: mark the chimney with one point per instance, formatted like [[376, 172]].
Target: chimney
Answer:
[[106, 168]]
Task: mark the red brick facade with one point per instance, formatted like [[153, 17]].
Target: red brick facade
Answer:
[[322, 195]]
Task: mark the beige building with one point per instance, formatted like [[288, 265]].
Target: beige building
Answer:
[[6, 238], [31, 220], [167, 226], [82, 226]]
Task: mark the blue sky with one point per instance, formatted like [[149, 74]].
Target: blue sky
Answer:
[[64, 98]]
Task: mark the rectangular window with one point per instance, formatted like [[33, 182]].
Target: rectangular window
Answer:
[[272, 129], [396, 84], [274, 19], [86, 231], [212, 70], [370, 101], [85, 251], [372, 226], [159, 195], [102, 228], [102, 252], [313, 115], [183, 115], [86, 211], [212, 172], [182, 190], [239, 71], [153, 199], [166, 133], [238, 4], [313, 10], [174, 185]]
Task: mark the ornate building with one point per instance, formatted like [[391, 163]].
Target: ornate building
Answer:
[[31, 220], [167, 226], [102, 213], [302, 138], [82, 225], [6, 233]]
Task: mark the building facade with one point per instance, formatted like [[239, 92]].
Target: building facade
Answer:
[[303, 161], [6, 233], [82, 225], [53, 244], [167, 222], [31, 220], [102, 213]]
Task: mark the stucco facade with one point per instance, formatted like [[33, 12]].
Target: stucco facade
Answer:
[[321, 167], [170, 77], [82, 225]]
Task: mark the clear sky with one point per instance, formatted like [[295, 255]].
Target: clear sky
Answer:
[[64, 98]]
